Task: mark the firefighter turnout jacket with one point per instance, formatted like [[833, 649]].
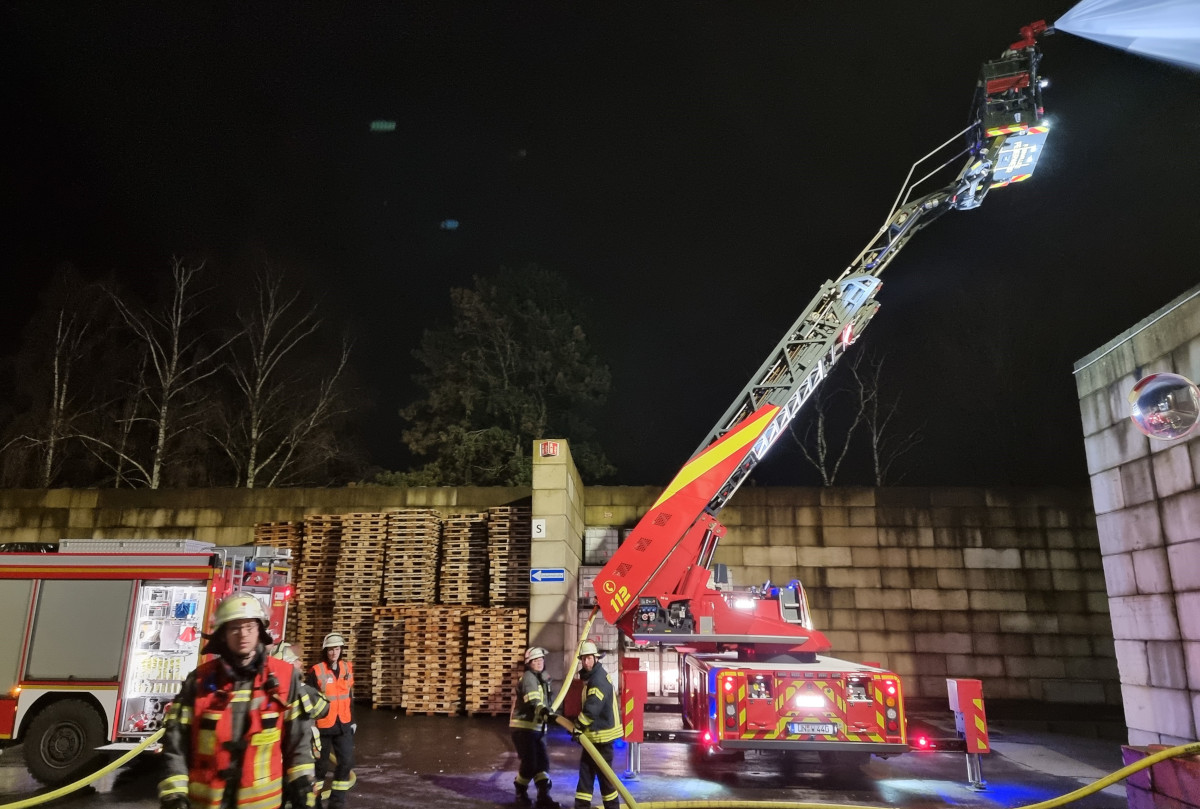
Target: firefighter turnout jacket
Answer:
[[600, 718], [236, 740], [533, 694], [335, 684]]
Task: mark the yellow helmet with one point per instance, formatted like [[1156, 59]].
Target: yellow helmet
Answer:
[[239, 606], [332, 639], [588, 648]]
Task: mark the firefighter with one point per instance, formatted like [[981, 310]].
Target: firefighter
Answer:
[[334, 678], [238, 736], [530, 710], [600, 721], [311, 700]]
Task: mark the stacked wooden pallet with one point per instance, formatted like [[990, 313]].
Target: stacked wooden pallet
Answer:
[[359, 579], [464, 569], [387, 656], [410, 566], [434, 648], [315, 581], [495, 658], [288, 534], [509, 540]]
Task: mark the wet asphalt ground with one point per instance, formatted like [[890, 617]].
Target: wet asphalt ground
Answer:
[[439, 762]]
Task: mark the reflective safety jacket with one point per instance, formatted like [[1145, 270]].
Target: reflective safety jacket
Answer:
[[335, 685], [532, 693], [232, 743], [600, 716]]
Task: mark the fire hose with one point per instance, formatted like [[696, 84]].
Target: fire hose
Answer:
[[1190, 749], [87, 779]]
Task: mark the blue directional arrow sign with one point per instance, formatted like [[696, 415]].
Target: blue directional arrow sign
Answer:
[[540, 575]]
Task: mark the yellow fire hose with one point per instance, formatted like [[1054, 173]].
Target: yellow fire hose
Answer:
[[87, 779], [1190, 749]]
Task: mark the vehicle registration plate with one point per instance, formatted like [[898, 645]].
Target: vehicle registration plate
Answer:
[[812, 728]]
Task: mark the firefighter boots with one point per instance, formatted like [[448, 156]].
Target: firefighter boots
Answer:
[[523, 801], [544, 801]]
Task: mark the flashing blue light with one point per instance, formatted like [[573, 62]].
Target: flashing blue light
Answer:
[[449, 224], [774, 592]]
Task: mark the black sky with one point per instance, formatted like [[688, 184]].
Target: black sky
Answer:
[[695, 169]]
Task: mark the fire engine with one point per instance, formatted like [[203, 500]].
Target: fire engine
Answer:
[[754, 670], [102, 633]]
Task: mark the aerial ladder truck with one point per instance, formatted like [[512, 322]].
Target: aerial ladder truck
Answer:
[[754, 670]]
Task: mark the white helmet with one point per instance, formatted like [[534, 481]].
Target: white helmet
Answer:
[[333, 639], [239, 606], [588, 648], [287, 654], [533, 653]]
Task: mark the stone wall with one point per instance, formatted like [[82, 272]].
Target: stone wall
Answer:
[[220, 516], [1148, 519], [1001, 585]]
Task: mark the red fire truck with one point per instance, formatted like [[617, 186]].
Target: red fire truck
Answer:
[[754, 670], [101, 634]]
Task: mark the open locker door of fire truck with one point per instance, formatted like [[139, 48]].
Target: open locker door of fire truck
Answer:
[[105, 631]]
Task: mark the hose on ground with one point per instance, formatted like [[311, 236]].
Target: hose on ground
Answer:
[[1190, 749], [87, 779]]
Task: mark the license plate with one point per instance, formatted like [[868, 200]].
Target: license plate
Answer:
[[811, 728]]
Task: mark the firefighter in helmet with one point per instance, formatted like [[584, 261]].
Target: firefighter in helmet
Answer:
[[238, 736], [334, 678], [530, 710], [598, 720]]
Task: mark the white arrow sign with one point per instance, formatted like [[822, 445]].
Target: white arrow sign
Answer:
[[539, 575]]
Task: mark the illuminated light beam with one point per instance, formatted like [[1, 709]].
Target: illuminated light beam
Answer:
[[1159, 29]]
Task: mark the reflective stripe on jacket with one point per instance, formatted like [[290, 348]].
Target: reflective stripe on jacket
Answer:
[[600, 716], [335, 686], [241, 736], [533, 691]]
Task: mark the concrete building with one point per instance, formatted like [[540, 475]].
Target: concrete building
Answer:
[[1147, 505]]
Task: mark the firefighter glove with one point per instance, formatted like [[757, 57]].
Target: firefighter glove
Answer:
[[175, 802], [544, 714], [576, 731]]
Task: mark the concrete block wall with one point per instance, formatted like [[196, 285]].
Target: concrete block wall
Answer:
[[1147, 501], [219, 516], [1001, 585]]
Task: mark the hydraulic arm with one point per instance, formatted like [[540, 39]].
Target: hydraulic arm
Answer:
[[657, 584]]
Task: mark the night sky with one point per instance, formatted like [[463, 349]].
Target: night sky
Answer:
[[695, 169]]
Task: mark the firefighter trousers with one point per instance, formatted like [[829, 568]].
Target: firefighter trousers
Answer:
[[341, 747], [531, 750], [589, 773]]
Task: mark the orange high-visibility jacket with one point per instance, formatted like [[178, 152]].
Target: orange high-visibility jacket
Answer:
[[335, 688]]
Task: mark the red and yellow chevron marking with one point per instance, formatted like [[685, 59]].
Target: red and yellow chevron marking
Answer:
[[982, 744]]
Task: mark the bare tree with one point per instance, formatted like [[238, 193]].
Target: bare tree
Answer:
[[886, 440], [281, 405], [179, 355], [826, 437], [61, 338]]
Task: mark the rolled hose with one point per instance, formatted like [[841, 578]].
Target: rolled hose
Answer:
[[87, 779]]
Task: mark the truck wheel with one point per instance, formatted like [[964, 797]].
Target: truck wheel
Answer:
[[60, 745]]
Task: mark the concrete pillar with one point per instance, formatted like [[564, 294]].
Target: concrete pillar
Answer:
[[558, 519]]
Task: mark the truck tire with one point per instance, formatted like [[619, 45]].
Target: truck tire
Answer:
[[60, 745]]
